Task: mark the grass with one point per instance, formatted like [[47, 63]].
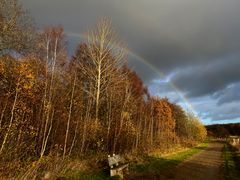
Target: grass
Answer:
[[151, 163], [93, 175], [156, 163], [87, 173], [231, 162]]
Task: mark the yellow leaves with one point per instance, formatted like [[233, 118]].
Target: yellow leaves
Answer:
[[129, 126], [35, 163], [29, 76], [196, 129], [32, 131], [3, 67], [26, 76], [126, 115], [48, 106]]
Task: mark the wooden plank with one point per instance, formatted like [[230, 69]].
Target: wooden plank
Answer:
[[116, 165], [114, 160]]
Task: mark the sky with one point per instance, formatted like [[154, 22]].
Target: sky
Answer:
[[186, 50]]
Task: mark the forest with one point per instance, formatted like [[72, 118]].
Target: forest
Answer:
[[223, 130], [53, 105]]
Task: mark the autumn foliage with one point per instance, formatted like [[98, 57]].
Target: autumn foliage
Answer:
[[88, 104]]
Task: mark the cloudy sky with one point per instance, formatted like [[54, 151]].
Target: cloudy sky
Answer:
[[186, 50]]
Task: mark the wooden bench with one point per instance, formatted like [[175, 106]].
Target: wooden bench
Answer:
[[117, 165]]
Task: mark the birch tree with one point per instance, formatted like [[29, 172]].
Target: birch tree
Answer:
[[55, 53], [106, 54]]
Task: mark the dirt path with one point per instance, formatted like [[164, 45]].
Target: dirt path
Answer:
[[202, 166]]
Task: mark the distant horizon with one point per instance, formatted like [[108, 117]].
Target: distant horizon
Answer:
[[222, 123]]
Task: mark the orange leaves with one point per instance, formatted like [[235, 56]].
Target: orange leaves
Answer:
[[1, 68], [164, 123], [18, 72], [163, 112]]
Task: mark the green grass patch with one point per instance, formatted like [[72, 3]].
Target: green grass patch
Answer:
[[231, 162], [156, 163]]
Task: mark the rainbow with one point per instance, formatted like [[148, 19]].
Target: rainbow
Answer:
[[149, 65]]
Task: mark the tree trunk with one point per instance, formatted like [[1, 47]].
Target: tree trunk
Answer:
[[11, 121], [69, 117]]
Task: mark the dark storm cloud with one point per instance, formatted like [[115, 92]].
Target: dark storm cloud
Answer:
[[197, 40], [229, 94], [208, 78], [167, 34]]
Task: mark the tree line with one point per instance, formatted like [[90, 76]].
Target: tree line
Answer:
[[89, 103], [223, 130]]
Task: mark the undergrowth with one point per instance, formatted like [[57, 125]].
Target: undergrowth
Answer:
[[231, 164]]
